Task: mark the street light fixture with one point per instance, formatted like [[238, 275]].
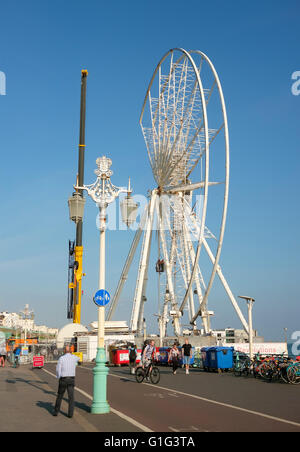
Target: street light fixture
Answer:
[[128, 208], [286, 339], [26, 315], [250, 302], [103, 192], [76, 207]]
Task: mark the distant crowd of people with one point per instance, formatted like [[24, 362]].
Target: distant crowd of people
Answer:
[[16, 352], [148, 355]]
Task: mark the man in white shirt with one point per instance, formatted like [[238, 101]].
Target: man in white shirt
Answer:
[[65, 372]]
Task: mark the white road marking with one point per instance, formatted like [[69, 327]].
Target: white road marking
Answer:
[[185, 429], [118, 413], [160, 396]]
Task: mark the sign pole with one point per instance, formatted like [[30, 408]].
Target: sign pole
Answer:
[[100, 371], [250, 306]]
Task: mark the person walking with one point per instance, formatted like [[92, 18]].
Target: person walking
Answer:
[[132, 358], [17, 354], [65, 372], [3, 354], [174, 358], [187, 354]]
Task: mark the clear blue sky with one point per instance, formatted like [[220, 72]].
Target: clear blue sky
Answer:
[[45, 44]]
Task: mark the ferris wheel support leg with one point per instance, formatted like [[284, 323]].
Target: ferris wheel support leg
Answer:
[[164, 319], [127, 266], [161, 332], [187, 259], [197, 282], [143, 300], [227, 289], [168, 266], [143, 264]]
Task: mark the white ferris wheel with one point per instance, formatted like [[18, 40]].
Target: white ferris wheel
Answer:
[[185, 128]]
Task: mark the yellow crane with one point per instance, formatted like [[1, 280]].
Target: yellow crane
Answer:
[[76, 207]]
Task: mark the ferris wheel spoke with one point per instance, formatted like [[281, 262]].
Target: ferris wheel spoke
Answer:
[[184, 119], [208, 93], [154, 131], [166, 85], [173, 66], [184, 122], [212, 139], [161, 91], [188, 150], [174, 107], [189, 146], [165, 131], [214, 135], [189, 187], [177, 98]]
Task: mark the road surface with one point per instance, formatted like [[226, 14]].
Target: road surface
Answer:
[[198, 402]]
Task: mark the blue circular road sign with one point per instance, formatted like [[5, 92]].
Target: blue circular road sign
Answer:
[[102, 298]]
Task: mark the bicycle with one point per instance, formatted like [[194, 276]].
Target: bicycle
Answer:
[[16, 362], [293, 373], [242, 367], [150, 372], [278, 368], [247, 366]]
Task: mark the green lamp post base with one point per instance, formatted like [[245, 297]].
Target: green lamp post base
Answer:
[[100, 371]]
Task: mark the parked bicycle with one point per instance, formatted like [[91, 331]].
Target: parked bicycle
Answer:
[[270, 368], [242, 367], [284, 369], [293, 373]]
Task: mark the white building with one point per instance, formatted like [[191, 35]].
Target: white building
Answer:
[[233, 336], [11, 320], [43, 329], [16, 321]]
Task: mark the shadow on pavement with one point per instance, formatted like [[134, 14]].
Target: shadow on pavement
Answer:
[[46, 405], [31, 383], [50, 406], [83, 407]]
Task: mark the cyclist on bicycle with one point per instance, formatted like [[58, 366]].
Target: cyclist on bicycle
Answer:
[[148, 355]]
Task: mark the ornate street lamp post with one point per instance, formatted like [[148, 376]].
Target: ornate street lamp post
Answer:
[[103, 192], [250, 302], [26, 315]]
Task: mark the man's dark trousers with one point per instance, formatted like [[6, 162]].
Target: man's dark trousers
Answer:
[[65, 383]]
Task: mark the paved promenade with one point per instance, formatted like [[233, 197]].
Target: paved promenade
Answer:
[[27, 400], [199, 402]]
